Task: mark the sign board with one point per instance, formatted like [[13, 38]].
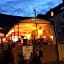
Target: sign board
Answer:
[[27, 51]]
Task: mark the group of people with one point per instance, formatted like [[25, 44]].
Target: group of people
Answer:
[[36, 55]]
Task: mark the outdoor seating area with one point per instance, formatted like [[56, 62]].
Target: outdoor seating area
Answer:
[[32, 30]]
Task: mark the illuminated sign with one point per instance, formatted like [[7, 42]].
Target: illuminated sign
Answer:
[[14, 38]]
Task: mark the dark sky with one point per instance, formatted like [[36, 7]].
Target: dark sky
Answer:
[[13, 10], [6, 20], [25, 7], [9, 20]]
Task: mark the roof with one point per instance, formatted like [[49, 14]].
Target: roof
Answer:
[[7, 21], [33, 20], [58, 9]]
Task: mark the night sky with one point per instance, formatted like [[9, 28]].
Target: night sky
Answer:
[[13, 10], [25, 7]]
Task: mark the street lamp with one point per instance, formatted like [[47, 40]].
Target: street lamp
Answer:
[[35, 21], [35, 17]]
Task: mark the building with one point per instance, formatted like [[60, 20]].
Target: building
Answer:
[[56, 16], [32, 29]]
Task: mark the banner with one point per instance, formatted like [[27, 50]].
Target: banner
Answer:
[[27, 51]]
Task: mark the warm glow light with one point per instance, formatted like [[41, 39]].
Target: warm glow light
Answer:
[[52, 13], [44, 37], [51, 37], [1, 35], [1, 28], [30, 30], [39, 31], [28, 36], [9, 32], [38, 36], [34, 28], [7, 35], [4, 39]]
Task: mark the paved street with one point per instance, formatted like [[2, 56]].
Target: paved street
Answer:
[[5, 56], [8, 57]]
